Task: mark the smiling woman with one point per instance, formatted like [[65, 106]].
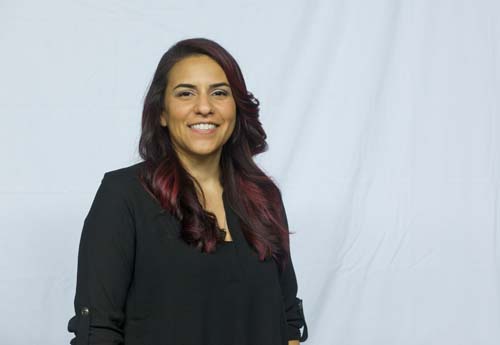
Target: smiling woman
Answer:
[[191, 245], [200, 114]]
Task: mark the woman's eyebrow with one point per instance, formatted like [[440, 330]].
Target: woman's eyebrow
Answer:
[[194, 86]]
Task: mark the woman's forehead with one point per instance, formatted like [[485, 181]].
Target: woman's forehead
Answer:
[[197, 69]]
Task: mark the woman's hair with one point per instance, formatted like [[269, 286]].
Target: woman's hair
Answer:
[[254, 197]]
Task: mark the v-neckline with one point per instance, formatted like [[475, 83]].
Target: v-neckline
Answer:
[[229, 223]]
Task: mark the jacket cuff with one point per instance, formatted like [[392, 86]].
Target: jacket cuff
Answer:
[[80, 325], [293, 333], [296, 323]]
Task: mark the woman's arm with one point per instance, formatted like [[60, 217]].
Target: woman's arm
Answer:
[[105, 267], [293, 305]]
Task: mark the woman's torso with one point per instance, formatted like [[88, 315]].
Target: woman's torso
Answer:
[[179, 295]]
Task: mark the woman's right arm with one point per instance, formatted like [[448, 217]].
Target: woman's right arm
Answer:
[[105, 267]]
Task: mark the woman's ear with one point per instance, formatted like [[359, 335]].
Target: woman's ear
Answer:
[[163, 119]]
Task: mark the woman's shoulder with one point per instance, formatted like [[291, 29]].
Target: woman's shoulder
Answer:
[[124, 184], [125, 179], [127, 172]]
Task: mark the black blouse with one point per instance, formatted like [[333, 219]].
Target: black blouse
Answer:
[[138, 283]]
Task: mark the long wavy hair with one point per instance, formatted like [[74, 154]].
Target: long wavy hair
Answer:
[[252, 194]]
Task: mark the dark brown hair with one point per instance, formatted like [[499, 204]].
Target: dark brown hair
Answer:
[[253, 195]]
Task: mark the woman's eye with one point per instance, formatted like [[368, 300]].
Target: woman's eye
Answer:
[[183, 93], [220, 93]]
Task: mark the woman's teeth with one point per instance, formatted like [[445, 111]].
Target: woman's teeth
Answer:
[[203, 126]]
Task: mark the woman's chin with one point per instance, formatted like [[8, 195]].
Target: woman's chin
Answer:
[[205, 152]]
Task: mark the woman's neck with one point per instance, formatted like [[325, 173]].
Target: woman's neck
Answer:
[[205, 169]]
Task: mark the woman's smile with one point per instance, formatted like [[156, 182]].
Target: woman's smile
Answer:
[[203, 128]]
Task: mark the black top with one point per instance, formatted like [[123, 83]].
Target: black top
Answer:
[[138, 283]]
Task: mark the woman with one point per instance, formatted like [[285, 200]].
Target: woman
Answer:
[[190, 246]]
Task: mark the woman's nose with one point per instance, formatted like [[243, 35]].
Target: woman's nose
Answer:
[[203, 104]]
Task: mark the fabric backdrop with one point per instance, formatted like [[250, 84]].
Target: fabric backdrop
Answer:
[[383, 125]]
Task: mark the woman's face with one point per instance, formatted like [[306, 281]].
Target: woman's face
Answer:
[[198, 93]]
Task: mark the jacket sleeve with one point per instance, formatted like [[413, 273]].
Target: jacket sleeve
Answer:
[[105, 267], [293, 305]]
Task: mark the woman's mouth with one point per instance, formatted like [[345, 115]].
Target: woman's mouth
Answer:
[[203, 128]]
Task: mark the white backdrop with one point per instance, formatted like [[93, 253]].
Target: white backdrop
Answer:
[[383, 122]]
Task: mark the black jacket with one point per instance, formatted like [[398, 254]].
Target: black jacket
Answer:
[[139, 284]]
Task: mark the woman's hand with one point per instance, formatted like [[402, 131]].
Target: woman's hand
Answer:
[[293, 342]]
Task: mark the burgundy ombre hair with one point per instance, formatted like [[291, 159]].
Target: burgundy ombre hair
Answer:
[[254, 197]]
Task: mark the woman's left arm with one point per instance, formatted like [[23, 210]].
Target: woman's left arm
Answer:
[[293, 305]]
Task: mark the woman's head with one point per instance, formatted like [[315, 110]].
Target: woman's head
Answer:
[[180, 62]]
